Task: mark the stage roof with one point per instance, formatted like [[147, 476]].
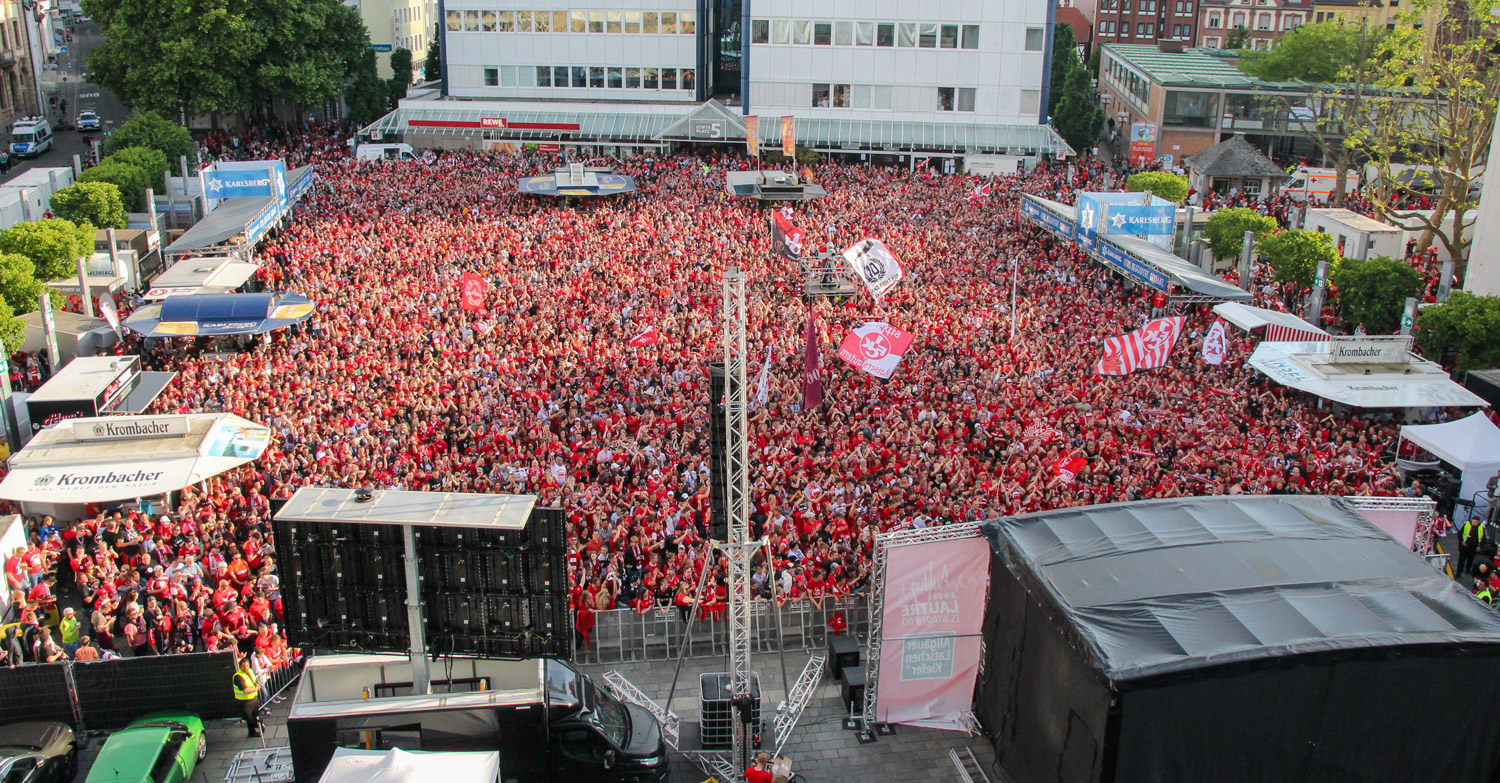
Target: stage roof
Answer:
[[206, 315], [1164, 586], [576, 181], [392, 507]]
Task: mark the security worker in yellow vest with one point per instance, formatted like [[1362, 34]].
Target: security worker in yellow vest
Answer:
[[1470, 537], [1485, 594], [247, 693]]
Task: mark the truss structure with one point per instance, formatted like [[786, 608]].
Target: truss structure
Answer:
[[626, 691], [883, 544], [739, 549], [797, 699]]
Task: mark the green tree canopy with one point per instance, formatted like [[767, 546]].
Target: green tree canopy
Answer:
[[95, 203], [147, 159], [1162, 184], [1064, 60], [53, 245], [367, 97], [1238, 38], [149, 129], [19, 288], [1467, 325], [1079, 119], [1226, 229], [12, 330], [1317, 52], [432, 65], [1374, 292], [131, 181], [1294, 254], [308, 50], [401, 67]]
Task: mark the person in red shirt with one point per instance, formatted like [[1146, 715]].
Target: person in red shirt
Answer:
[[760, 771]]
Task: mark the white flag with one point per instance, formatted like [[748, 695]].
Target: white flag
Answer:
[[1215, 346], [111, 315], [763, 383], [874, 264]]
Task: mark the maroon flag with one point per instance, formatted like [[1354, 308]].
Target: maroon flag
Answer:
[[472, 291], [1142, 349], [812, 380]]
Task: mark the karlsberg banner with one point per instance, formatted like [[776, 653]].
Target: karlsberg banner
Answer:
[[245, 179], [1112, 214]]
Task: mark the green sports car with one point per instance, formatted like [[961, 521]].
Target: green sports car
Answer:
[[162, 747]]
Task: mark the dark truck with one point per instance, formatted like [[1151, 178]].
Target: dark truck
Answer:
[[549, 722]]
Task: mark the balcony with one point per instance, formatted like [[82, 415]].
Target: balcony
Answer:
[[7, 60]]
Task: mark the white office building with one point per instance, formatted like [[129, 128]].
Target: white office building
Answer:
[[862, 77]]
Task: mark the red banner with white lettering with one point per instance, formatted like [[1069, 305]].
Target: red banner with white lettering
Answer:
[[648, 337], [472, 291], [875, 348], [1068, 468], [1142, 349]]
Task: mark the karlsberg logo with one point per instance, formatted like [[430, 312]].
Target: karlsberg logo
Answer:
[[108, 477], [1086, 218]]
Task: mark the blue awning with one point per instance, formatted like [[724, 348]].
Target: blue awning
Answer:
[[300, 181], [201, 315]]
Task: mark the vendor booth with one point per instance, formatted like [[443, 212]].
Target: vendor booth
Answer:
[[216, 275], [1363, 372], [410, 766], [119, 458], [1279, 326], [209, 315], [95, 386], [1267, 638], [1472, 446], [77, 335]]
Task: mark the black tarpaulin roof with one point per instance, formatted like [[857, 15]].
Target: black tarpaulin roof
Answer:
[[1157, 587]]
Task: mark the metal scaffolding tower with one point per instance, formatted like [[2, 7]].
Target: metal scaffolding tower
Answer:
[[738, 550]]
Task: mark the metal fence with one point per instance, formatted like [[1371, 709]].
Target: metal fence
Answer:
[[624, 635]]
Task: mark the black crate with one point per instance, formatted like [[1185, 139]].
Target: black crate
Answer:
[[716, 709]]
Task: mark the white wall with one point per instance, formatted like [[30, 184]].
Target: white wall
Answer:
[[1005, 78], [471, 53], [1483, 276]]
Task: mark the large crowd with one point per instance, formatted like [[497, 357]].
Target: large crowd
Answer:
[[393, 385]]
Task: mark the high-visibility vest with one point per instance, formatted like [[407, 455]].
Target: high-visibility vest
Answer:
[[1477, 528], [245, 687], [1485, 596]]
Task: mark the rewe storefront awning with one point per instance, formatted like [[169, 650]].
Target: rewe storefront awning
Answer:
[[98, 460]]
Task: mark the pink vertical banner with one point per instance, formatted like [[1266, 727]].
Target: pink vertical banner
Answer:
[[935, 597]]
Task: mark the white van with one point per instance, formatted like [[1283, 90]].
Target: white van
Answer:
[[30, 137], [1316, 185], [384, 152]]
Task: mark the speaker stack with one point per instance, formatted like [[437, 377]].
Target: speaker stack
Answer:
[[718, 450]]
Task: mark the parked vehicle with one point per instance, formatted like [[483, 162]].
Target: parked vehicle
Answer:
[[30, 137], [37, 752], [1316, 185], [384, 152], [88, 120], [163, 747], [549, 722]]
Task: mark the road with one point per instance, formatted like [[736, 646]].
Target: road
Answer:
[[79, 95]]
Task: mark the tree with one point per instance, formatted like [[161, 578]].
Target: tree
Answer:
[[150, 129], [309, 49], [147, 159], [1374, 292], [1294, 254], [1079, 120], [190, 57], [1162, 184], [432, 65], [95, 203], [12, 330], [1238, 38], [1094, 61], [131, 181], [1064, 60], [1226, 230], [19, 288], [1467, 325], [1343, 61], [367, 96], [401, 74], [1435, 114], [53, 245]]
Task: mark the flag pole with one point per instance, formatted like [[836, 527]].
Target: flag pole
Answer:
[[1013, 266]]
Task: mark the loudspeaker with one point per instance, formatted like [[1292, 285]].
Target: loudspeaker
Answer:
[[718, 450]]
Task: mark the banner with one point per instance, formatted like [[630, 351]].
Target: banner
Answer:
[[472, 291], [1142, 349], [789, 136], [786, 239], [648, 337], [873, 263], [980, 192], [875, 348], [1142, 143], [1215, 346], [812, 380], [1142, 220], [643, 223], [1068, 468], [110, 314], [752, 136], [763, 383], [930, 633]]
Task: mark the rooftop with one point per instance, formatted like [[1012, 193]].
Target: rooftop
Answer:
[[1234, 157], [1193, 68]]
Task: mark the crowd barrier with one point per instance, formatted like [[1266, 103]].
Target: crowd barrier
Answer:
[[105, 695], [624, 635]]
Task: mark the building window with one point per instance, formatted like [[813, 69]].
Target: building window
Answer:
[[1148, 6], [668, 23], [1036, 38], [840, 96], [822, 33], [1180, 31], [614, 78], [781, 32], [471, 21], [577, 22], [1239, 20], [822, 96], [1031, 103], [1190, 109], [859, 96], [580, 76], [596, 76], [927, 36], [487, 22], [966, 99], [633, 22], [885, 34], [948, 36], [945, 99], [492, 77], [1145, 30], [613, 22], [689, 78], [907, 34], [864, 34], [649, 80], [544, 76], [650, 22], [596, 21], [1212, 43], [843, 33], [687, 22], [760, 31], [455, 21], [880, 97], [801, 31], [1263, 22], [971, 36], [1213, 21], [669, 78], [543, 22]]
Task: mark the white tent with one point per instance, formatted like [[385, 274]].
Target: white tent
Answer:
[[1280, 326], [1471, 444], [415, 766]]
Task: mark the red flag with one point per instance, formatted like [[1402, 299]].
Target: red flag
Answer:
[[812, 380], [643, 223], [648, 337], [786, 239], [1068, 468], [1040, 431], [1142, 349], [980, 192], [472, 291], [875, 348]]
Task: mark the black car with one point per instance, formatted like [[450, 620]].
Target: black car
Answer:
[[37, 752]]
